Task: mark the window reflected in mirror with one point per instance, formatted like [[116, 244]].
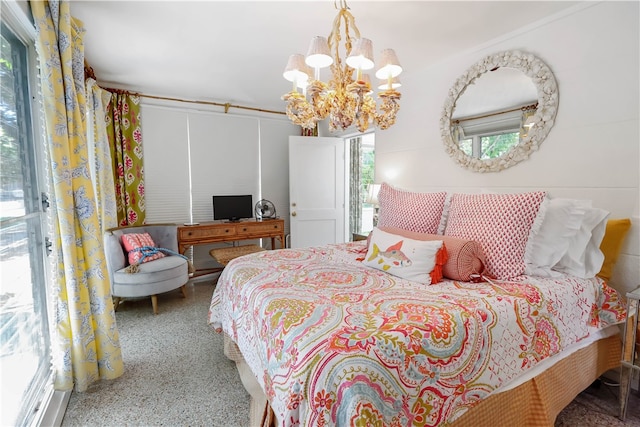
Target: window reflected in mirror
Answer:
[[499, 111], [492, 116]]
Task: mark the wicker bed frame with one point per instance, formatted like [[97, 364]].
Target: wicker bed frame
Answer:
[[536, 402]]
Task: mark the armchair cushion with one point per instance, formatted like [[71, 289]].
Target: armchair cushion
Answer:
[[132, 242], [161, 275]]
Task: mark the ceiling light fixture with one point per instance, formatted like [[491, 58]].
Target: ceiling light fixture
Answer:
[[345, 100]]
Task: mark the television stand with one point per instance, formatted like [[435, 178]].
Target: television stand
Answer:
[[216, 232]]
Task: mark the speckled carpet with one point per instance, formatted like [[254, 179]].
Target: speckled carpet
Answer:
[[177, 375]]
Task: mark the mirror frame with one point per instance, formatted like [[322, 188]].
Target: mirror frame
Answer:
[[544, 117]]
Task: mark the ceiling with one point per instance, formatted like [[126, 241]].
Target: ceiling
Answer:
[[235, 51]]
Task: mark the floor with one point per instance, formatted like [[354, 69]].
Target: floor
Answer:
[[598, 406]]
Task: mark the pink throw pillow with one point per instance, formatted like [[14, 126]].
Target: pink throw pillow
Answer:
[[133, 241], [420, 212], [501, 223]]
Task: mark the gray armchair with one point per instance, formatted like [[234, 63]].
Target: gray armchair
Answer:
[[151, 278]]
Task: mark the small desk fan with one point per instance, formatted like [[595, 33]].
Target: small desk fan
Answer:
[[265, 209]]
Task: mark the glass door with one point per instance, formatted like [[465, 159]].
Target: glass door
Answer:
[[25, 359], [361, 177]]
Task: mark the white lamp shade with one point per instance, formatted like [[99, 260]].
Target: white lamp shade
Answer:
[[395, 84], [389, 66], [295, 69], [361, 56], [372, 194], [318, 55]]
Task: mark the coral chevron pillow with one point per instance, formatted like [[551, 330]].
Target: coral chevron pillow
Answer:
[[420, 212], [133, 241], [501, 223], [416, 260]]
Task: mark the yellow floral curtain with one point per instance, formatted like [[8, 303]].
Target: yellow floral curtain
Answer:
[[100, 152], [125, 135], [85, 338]]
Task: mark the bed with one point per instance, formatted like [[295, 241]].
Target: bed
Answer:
[[332, 335]]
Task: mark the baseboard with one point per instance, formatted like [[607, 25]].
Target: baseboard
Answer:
[[54, 407]]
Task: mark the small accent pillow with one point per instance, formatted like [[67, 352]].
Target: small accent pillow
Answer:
[[501, 223], [562, 221], [584, 258], [611, 245], [416, 260], [464, 257], [411, 211], [132, 241]]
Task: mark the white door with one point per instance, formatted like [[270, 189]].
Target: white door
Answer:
[[316, 191]]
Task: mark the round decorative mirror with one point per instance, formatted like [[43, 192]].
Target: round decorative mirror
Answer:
[[499, 111]]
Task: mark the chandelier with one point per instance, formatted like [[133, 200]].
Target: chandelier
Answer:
[[345, 100]]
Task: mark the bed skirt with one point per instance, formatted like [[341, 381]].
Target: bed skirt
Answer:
[[534, 403]]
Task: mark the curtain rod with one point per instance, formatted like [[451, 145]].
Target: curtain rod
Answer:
[[523, 108], [217, 104]]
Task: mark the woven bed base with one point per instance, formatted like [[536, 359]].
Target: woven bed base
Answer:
[[539, 401], [224, 255], [535, 403]]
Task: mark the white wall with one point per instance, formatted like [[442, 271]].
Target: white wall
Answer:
[[592, 152]]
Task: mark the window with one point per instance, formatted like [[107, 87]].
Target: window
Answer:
[[491, 135], [24, 337], [489, 146], [361, 171]]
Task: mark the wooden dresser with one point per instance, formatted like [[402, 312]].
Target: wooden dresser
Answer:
[[220, 231]]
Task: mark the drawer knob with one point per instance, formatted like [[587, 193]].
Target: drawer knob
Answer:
[[189, 233], [244, 229]]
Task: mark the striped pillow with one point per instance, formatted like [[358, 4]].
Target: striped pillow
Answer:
[[419, 212], [133, 241], [501, 223]]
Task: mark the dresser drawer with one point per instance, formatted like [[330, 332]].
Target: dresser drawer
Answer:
[[260, 227], [200, 233]]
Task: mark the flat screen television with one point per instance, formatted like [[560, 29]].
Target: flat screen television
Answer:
[[232, 208]]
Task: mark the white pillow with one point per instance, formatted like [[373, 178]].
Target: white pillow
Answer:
[[584, 258], [561, 222], [403, 257]]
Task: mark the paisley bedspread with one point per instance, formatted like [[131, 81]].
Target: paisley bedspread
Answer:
[[334, 342]]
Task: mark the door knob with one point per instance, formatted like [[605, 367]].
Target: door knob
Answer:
[[293, 213]]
